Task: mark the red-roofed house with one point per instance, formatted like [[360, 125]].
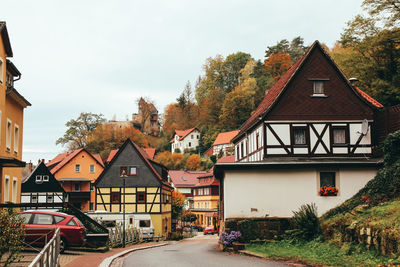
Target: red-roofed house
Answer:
[[205, 200], [77, 171], [185, 140], [184, 181], [223, 143], [313, 129]]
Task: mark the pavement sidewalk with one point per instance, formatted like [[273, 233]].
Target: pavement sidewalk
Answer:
[[94, 259]]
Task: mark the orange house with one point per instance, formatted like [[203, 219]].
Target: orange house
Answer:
[[77, 171], [12, 105]]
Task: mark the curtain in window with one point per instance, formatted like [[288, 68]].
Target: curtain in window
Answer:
[[339, 136], [318, 87], [299, 137]]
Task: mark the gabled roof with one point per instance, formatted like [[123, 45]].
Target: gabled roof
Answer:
[[273, 94], [185, 178], [144, 157], [62, 159], [150, 151], [28, 182], [6, 39], [227, 159], [183, 133], [225, 138], [13, 93]]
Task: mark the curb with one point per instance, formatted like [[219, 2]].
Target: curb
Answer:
[[107, 261]]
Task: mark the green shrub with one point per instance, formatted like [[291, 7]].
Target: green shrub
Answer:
[[307, 225], [176, 236], [249, 230]]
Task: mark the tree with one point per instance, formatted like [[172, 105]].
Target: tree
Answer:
[[79, 129], [295, 49], [11, 237], [193, 163], [178, 203], [387, 11], [278, 64]]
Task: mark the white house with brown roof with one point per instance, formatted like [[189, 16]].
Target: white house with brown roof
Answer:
[[223, 143], [311, 140], [185, 140]]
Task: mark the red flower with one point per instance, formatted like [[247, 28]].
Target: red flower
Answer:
[[328, 191]]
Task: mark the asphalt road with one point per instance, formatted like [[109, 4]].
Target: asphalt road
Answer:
[[197, 251]]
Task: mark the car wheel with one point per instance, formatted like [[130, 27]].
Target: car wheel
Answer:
[[63, 245]]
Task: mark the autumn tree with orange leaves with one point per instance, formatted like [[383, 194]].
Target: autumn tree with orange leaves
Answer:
[[193, 163], [278, 64], [178, 203]]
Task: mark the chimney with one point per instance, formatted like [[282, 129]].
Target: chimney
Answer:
[[30, 166]]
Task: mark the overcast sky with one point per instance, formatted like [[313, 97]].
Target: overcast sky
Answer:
[[100, 56]]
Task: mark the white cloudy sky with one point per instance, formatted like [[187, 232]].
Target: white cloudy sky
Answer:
[[99, 56]]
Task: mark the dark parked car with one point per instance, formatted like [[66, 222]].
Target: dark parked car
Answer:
[[40, 227]]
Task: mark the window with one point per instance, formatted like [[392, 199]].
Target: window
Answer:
[[45, 178], [34, 199], [144, 223], [241, 150], [299, 136], [191, 136], [77, 186], [327, 179], [8, 135], [14, 190], [141, 197], [318, 88], [198, 136], [91, 187], [40, 218], [257, 143], [16, 139], [190, 144], [339, 135], [6, 188], [91, 206], [77, 168], [132, 171], [123, 171], [91, 168], [72, 222], [115, 197], [58, 219], [1, 70], [50, 199], [38, 179], [25, 217]]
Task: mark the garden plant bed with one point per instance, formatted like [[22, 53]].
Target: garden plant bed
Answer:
[[320, 253]]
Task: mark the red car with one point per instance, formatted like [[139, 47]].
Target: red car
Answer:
[[40, 227], [208, 230]]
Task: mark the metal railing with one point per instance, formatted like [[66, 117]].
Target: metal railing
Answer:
[[49, 256], [132, 235]]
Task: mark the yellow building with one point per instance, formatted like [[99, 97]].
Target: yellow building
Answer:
[[147, 191], [12, 106], [205, 201]]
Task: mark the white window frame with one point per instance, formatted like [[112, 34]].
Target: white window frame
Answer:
[[6, 188], [8, 135], [77, 168], [38, 179], [16, 139], [45, 178], [14, 189], [90, 168]]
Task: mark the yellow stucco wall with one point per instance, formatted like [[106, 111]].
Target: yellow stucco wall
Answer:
[[159, 223]]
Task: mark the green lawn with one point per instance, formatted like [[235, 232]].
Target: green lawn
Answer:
[[321, 253]]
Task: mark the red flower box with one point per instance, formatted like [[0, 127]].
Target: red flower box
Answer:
[[326, 191]]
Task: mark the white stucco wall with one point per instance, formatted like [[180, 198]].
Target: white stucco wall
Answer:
[[279, 192], [184, 144]]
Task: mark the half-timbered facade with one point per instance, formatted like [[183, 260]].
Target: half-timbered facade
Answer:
[[313, 129], [41, 189], [146, 190]]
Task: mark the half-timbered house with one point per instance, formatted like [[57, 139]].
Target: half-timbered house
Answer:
[[41, 190], [313, 130], [146, 191]]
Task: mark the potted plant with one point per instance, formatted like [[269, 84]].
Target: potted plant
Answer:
[[326, 191], [228, 240]]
